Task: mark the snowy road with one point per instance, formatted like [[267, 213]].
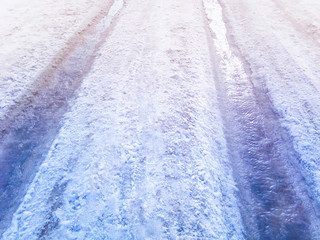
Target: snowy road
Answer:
[[140, 119]]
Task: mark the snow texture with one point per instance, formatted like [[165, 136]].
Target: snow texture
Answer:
[[34, 35], [153, 142], [142, 153]]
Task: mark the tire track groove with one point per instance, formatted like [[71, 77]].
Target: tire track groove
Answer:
[[273, 194], [32, 124]]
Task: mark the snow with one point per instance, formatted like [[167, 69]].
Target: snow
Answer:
[[142, 152], [288, 70], [144, 149], [34, 34], [250, 65]]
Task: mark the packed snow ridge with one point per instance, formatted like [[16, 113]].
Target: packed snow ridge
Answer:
[[181, 119]]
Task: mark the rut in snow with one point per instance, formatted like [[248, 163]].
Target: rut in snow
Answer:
[[152, 161], [32, 124], [273, 195], [309, 31]]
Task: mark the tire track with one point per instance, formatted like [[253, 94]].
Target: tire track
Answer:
[[154, 165], [310, 31], [274, 198], [32, 124], [292, 91]]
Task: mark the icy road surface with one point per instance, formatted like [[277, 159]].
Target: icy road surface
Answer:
[[143, 119]]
